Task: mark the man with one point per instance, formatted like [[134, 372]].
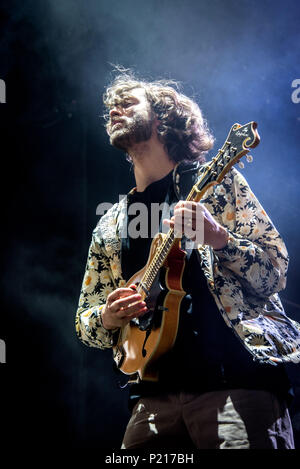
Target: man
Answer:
[[223, 384]]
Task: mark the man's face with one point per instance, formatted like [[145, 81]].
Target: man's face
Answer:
[[131, 120]]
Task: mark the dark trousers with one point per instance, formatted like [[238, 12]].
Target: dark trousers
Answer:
[[231, 419]]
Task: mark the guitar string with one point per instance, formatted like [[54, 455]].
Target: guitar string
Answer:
[[167, 243]]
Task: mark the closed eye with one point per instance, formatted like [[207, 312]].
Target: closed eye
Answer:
[[127, 104]]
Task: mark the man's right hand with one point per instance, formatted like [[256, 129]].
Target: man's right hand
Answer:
[[122, 305]]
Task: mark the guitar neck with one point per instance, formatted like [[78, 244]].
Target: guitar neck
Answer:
[[166, 246], [157, 261], [239, 140]]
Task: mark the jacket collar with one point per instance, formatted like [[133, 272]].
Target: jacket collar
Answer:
[[184, 177]]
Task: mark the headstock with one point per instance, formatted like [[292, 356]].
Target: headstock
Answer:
[[238, 143]]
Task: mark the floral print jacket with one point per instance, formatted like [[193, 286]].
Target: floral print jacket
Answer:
[[244, 277]]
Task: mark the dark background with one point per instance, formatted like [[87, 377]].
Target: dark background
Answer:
[[237, 58]]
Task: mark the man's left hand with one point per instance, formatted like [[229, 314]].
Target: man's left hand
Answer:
[[194, 221]]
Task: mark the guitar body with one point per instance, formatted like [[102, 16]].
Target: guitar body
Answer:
[[137, 350]]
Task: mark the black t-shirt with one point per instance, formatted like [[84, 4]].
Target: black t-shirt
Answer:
[[207, 354]]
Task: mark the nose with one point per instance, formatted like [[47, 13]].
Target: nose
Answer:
[[115, 111]]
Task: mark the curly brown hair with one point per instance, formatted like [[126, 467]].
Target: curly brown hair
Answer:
[[182, 128]]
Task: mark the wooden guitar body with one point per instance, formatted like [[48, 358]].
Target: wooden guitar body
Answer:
[[137, 350]]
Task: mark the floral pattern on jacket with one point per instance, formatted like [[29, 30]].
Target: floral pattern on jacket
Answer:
[[244, 277]]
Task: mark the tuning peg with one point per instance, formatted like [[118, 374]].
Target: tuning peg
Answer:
[[241, 164], [249, 158]]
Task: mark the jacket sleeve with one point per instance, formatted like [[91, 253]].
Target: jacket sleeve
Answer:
[[255, 251], [97, 284]]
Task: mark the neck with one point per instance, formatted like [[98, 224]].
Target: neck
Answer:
[[150, 162]]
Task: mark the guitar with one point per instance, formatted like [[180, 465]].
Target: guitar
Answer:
[[142, 341]]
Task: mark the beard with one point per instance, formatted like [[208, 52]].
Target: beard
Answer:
[[133, 130]]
